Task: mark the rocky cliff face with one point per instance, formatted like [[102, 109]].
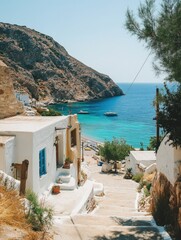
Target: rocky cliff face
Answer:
[[46, 71], [9, 106]]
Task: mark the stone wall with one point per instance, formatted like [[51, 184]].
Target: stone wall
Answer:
[[168, 160], [166, 202], [9, 105]]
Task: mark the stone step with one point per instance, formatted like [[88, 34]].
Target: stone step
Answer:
[[112, 221], [117, 207], [118, 211], [88, 232], [121, 215], [109, 203], [120, 195], [68, 185]]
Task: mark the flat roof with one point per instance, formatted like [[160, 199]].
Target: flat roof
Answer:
[[28, 123], [144, 155]]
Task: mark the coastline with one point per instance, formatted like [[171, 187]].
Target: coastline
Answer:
[[128, 125], [90, 140]]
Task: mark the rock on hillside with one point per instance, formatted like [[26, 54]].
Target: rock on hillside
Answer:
[[9, 105], [46, 71]]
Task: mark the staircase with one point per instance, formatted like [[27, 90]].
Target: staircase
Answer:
[[65, 179], [115, 218]]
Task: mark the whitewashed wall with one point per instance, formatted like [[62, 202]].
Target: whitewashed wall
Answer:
[[27, 146], [23, 150], [147, 163], [23, 97], [168, 160], [45, 138], [7, 155], [132, 162]]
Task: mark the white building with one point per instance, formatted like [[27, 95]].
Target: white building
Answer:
[[169, 160], [44, 141], [23, 97], [140, 160]]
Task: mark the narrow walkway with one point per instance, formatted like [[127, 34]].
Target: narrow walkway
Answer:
[[115, 216]]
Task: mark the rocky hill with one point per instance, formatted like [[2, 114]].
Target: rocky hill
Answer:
[[9, 106], [45, 70]]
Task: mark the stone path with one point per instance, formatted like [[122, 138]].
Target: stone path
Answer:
[[114, 218]]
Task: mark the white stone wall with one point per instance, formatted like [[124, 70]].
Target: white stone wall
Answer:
[[27, 146], [11, 180], [45, 138], [168, 160], [132, 163], [142, 158], [23, 97], [7, 154], [146, 163], [23, 150]]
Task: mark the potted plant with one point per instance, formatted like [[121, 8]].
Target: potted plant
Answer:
[[67, 163], [55, 189], [128, 174]]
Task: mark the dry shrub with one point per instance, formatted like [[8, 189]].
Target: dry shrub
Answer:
[[149, 177], [11, 209], [38, 236], [12, 217]]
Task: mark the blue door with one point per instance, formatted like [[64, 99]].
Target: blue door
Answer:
[[42, 162]]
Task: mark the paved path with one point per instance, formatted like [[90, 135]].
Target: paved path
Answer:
[[114, 218]]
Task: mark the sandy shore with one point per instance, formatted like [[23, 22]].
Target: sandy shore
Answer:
[[90, 141]]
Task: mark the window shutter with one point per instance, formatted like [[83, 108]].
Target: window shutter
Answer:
[[42, 162]]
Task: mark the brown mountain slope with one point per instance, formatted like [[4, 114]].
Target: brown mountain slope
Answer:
[[9, 106], [46, 71]]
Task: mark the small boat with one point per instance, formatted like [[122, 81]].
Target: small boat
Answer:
[[83, 112], [110, 114]]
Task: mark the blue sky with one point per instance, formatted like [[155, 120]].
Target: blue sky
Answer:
[[92, 31]]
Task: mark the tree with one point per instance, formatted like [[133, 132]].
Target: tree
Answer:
[[153, 143], [169, 117], [161, 31], [115, 150]]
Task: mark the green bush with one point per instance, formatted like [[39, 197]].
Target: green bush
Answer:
[[50, 112], [146, 191], [169, 117], [39, 216], [137, 177], [153, 143], [115, 150], [146, 185]]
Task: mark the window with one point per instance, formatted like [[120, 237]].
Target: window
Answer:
[[42, 162], [73, 138]]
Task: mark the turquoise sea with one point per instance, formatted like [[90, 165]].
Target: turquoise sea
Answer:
[[135, 111]]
